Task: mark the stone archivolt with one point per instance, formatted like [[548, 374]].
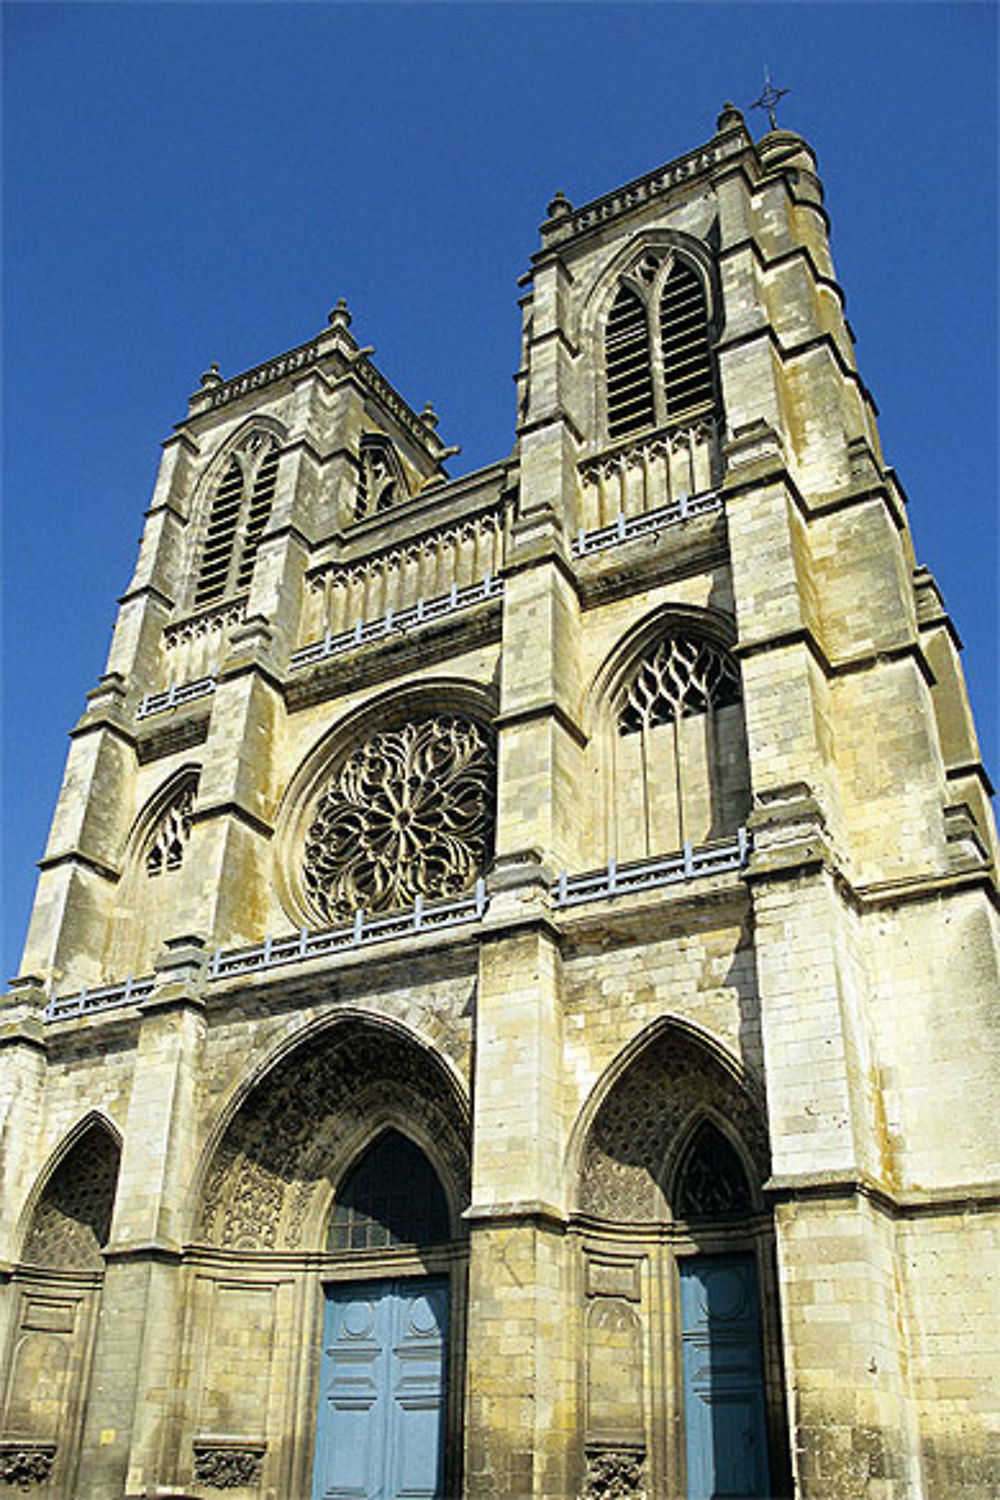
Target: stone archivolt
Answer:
[[298, 1126], [410, 813], [635, 1130]]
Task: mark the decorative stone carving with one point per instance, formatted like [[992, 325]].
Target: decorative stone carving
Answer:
[[711, 1182], [615, 1475], [634, 1130], [381, 481], [25, 1463], [228, 1465], [165, 848], [409, 814], [73, 1216], [680, 677], [292, 1130]]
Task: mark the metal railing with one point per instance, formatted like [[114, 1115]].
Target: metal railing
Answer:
[[690, 863], [393, 621], [176, 694], [107, 997], [624, 528], [364, 929], [648, 874]]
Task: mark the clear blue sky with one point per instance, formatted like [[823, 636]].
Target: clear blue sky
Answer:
[[186, 183]]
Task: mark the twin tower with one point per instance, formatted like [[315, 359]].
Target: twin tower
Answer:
[[511, 1006]]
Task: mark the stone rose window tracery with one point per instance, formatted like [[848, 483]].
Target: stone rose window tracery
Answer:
[[410, 813]]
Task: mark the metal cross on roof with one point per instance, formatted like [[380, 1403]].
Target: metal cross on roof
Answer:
[[769, 99]]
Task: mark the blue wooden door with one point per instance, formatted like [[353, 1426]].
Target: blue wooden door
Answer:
[[723, 1379], [380, 1431]]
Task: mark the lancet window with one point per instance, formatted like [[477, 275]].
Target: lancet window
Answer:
[[240, 509], [711, 1183], [168, 841], [657, 346], [391, 1197]]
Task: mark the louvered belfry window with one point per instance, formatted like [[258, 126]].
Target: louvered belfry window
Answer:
[[687, 362], [657, 346], [240, 509], [629, 372]]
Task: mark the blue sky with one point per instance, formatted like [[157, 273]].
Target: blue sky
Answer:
[[195, 182]]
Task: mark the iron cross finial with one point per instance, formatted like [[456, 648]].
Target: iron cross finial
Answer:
[[769, 98]]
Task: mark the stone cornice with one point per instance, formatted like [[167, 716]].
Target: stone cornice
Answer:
[[78, 857], [533, 712], [231, 809], [899, 1203], [784, 257]]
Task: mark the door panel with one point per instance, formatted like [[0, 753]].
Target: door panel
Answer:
[[380, 1430], [723, 1378]]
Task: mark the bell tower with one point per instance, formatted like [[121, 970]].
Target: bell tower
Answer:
[[510, 1008]]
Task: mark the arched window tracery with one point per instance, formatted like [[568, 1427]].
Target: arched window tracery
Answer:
[[657, 346], [680, 764], [241, 506], [711, 1182], [381, 481]]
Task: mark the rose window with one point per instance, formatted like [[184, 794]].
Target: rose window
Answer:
[[408, 814]]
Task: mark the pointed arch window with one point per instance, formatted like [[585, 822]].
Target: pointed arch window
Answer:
[[680, 766], [381, 481], [711, 1182], [168, 840], [657, 346], [239, 512], [392, 1196]]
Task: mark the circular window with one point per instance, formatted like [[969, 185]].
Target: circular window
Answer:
[[408, 814]]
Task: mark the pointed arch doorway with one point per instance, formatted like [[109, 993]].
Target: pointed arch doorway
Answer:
[[381, 1430]]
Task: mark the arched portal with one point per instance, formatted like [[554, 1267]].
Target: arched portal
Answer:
[[681, 1393], [332, 1205]]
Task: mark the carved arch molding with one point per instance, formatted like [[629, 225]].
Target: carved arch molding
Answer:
[[631, 1148], [275, 1163]]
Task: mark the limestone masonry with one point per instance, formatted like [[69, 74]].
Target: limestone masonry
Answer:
[[511, 1005]]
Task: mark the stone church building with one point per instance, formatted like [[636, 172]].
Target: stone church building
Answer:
[[511, 1005]]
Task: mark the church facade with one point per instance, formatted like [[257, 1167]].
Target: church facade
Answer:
[[511, 1005]]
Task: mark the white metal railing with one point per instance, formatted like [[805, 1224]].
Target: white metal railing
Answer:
[[364, 929], [614, 879], [106, 998], [176, 694], [421, 613], [647, 874], [624, 528]]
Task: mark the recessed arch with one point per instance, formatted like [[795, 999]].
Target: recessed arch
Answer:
[[641, 1112], [67, 1219], [268, 1173], [390, 1195]]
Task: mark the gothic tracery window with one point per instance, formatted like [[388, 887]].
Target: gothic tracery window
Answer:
[[381, 482], [681, 771], [711, 1183], [657, 347], [166, 845], [408, 814], [240, 509]]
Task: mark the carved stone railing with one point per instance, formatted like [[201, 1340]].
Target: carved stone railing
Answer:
[[689, 863], [193, 647], [428, 567], [273, 369], [650, 472], [625, 528], [364, 632]]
